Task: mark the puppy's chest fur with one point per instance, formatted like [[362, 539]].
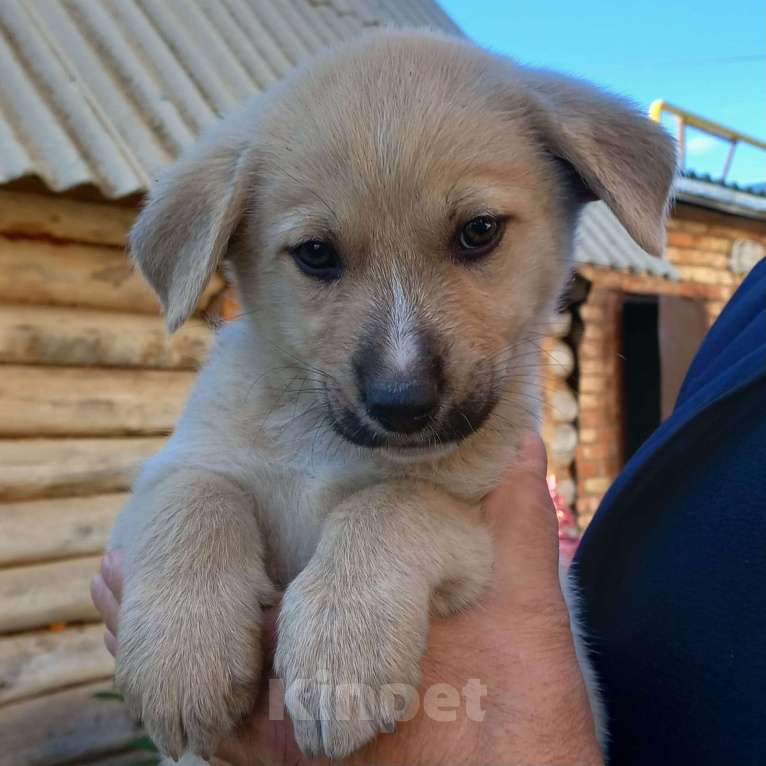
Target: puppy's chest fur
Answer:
[[292, 507], [292, 500]]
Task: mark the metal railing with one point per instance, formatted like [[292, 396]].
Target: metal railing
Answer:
[[686, 119]]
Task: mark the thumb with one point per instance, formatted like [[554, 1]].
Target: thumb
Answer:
[[522, 519]]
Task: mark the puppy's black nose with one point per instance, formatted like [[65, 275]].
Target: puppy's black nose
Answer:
[[401, 406]]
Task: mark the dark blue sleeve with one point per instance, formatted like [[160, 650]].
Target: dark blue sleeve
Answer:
[[673, 566]]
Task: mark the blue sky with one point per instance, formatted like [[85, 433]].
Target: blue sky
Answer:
[[708, 56]]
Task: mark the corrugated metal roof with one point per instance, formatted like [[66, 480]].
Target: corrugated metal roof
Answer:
[[748, 201], [103, 93], [603, 241], [758, 190]]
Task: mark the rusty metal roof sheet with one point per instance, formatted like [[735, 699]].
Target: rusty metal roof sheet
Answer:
[[102, 94]]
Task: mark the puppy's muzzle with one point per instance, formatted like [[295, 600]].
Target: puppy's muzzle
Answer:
[[400, 401], [403, 406]]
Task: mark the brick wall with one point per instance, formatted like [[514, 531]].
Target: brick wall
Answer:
[[599, 449], [700, 242], [699, 246]]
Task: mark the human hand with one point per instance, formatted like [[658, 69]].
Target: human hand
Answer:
[[501, 683]]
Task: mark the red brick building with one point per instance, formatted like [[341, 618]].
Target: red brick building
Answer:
[[630, 331]]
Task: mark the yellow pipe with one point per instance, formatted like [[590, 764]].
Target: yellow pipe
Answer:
[[659, 106]]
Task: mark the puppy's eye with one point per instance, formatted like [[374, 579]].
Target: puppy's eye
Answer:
[[317, 259], [479, 236]]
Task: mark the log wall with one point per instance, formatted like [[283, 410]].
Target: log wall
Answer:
[[90, 385], [560, 406]]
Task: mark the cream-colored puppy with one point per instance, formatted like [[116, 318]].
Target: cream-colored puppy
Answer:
[[398, 217]]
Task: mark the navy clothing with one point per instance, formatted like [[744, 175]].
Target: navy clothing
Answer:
[[673, 566]]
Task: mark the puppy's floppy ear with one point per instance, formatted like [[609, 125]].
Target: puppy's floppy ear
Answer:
[[621, 156], [185, 227]]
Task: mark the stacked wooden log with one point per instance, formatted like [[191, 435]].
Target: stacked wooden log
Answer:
[[90, 385], [560, 408]]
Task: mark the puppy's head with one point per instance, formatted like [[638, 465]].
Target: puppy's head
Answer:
[[399, 216]]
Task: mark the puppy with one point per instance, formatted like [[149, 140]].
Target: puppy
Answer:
[[398, 217]]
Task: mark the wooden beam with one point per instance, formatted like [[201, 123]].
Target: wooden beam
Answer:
[[36, 468], [35, 215], [36, 663], [44, 594], [90, 337], [64, 728], [38, 401], [559, 325], [561, 440], [646, 285], [41, 530], [60, 274], [559, 360], [71, 275], [562, 405]]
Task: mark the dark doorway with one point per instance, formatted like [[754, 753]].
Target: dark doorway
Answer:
[[642, 395]]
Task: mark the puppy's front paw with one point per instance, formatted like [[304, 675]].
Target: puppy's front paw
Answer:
[[189, 676], [349, 659]]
